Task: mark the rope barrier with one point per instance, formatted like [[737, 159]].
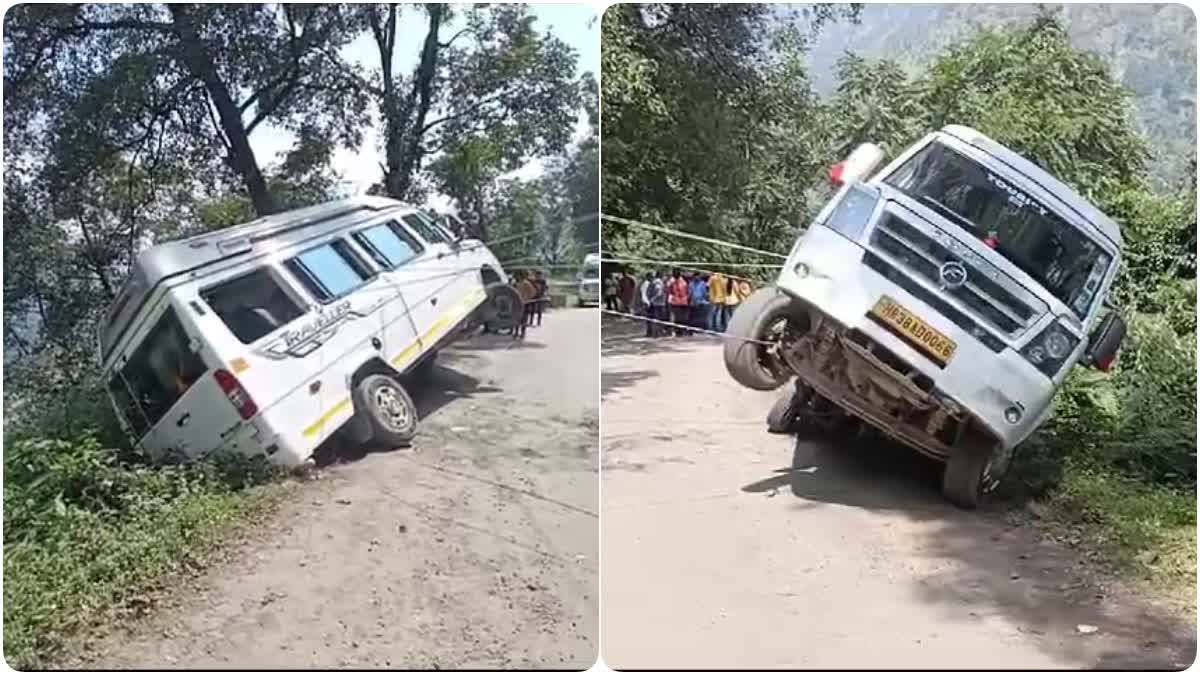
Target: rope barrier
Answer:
[[690, 329], [680, 265], [685, 263], [689, 235]]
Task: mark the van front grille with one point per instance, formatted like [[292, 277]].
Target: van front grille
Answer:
[[958, 318], [921, 255]]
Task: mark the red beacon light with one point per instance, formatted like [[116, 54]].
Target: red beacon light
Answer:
[[857, 166]]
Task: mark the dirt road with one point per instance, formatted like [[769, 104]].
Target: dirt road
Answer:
[[720, 552], [474, 549]]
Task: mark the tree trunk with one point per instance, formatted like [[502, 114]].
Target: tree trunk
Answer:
[[404, 123], [241, 156]]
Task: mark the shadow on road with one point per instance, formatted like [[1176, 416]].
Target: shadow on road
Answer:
[[620, 337], [494, 341], [615, 380], [1045, 587], [430, 394]]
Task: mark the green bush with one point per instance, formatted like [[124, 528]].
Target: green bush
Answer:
[[86, 530], [1156, 382]]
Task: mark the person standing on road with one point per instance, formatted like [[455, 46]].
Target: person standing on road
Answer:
[[700, 304], [527, 292], [658, 303], [677, 298], [541, 295], [732, 298], [610, 293], [645, 297], [627, 288], [718, 287]]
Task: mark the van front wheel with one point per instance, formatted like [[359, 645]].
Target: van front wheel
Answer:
[[758, 327], [389, 409], [972, 474]]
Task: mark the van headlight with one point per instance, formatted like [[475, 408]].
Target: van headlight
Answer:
[[1048, 351], [853, 211]]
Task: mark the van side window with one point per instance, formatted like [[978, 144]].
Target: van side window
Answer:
[[252, 305], [424, 227], [158, 373], [389, 243], [329, 271]]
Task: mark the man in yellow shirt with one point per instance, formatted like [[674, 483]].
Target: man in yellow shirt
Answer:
[[717, 288]]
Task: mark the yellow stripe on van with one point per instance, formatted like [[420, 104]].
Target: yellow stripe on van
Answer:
[[466, 305], [316, 427]]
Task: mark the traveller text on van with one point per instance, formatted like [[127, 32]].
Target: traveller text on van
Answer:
[[268, 337], [943, 302]]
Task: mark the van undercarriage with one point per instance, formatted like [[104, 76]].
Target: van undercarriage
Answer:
[[868, 381]]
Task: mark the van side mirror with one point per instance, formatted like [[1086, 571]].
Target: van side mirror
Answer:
[[861, 162], [1105, 341]]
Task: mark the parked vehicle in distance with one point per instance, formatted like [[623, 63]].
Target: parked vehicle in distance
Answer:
[[942, 301], [268, 337], [589, 280]]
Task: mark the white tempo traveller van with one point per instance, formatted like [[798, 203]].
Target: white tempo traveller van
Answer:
[[942, 301], [267, 337]]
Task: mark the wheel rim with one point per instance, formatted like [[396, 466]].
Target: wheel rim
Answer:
[[768, 355], [394, 412], [988, 481]]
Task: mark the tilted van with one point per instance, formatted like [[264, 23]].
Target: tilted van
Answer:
[[268, 337], [942, 301]]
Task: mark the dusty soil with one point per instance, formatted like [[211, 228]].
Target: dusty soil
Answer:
[[474, 549], [726, 547]]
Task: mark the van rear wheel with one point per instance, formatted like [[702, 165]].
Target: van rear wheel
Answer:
[[389, 409]]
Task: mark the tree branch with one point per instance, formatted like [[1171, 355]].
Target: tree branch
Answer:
[[126, 24], [454, 37], [464, 112]]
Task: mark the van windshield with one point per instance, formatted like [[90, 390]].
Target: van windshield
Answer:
[[993, 209], [591, 272]]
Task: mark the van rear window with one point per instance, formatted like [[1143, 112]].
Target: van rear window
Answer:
[[329, 271], [389, 243], [252, 305], [157, 374]]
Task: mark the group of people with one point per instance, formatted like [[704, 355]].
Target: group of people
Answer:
[[689, 300]]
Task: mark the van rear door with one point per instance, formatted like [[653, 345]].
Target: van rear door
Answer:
[[168, 394]]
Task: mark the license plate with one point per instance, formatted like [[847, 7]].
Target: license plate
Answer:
[[913, 330]]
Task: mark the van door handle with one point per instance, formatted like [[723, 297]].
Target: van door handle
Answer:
[[182, 421]]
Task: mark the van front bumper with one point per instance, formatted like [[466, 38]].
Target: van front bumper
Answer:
[[985, 383]]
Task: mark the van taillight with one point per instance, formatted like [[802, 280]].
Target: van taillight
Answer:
[[237, 395]]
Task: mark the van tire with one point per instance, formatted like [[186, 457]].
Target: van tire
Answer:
[[747, 362], [503, 308], [389, 409], [970, 476], [785, 416]]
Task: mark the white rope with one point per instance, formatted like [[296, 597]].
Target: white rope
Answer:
[[690, 329], [689, 263], [689, 235], [680, 265]]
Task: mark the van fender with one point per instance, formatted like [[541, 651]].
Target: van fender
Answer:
[[358, 427]]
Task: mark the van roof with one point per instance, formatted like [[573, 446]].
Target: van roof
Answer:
[[172, 258], [1094, 216]]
